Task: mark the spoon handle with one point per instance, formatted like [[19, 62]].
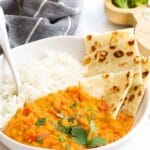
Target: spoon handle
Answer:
[[4, 42]]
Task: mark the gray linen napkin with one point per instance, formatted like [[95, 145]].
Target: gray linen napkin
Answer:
[[30, 20]]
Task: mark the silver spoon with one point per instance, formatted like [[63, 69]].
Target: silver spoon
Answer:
[[4, 43]]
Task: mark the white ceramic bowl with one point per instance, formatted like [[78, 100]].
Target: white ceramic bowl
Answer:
[[74, 46]]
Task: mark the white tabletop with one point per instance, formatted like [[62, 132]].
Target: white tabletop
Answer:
[[93, 20]]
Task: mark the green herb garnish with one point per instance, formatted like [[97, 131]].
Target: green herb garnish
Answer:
[[39, 140], [79, 135], [71, 119], [61, 139], [137, 3], [63, 129], [74, 105], [95, 142], [40, 122], [121, 3], [129, 3]]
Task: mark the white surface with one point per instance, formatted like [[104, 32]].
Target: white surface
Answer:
[[93, 20]]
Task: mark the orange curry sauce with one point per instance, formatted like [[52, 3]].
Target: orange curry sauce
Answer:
[[67, 120]]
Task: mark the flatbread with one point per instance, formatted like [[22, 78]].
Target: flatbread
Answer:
[[107, 40], [136, 93], [111, 87], [113, 52], [145, 61]]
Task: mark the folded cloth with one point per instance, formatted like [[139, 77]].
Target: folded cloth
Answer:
[[30, 20]]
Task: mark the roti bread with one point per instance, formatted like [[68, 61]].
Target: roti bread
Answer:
[[136, 93], [113, 52], [145, 61], [107, 40], [111, 87]]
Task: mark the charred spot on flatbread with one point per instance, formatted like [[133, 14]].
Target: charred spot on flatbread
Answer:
[[135, 88], [137, 59], [145, 73], [114, 109], [112, 46], [101, 55], [114, 38], [93, 48], [115, 89], [105, 76], [128, 74], [89, 37], [122, 64], [130, 53], [131, 97], [144, 60], [118, 53], [125, 98], [139, 93], [130, 43], [87, 60], [136, 75], [127, 84]]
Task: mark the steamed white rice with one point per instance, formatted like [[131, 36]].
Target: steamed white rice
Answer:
[[54, 72]]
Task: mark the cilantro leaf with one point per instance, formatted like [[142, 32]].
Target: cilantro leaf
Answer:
[[95, 142], [79, 135], [40, 122], [74, 105], [39, 140], [63, 129]]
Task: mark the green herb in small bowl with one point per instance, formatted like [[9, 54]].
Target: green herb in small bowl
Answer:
[[129, 3]]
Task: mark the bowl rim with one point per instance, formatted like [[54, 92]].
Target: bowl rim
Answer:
[[132, 132]]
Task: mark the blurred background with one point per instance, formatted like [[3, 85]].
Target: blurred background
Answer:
[[93, 19]]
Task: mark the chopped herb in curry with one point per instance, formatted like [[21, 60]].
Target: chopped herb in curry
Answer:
[[66, 121], [40, 122], [129, 3]]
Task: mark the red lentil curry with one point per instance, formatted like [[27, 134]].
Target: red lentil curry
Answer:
[[67, 120]]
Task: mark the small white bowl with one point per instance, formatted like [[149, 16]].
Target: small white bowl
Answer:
[[75, 47]]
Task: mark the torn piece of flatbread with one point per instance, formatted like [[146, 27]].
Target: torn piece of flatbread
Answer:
[[136, 93], [119, 53], [111, 87], [107, 40]]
